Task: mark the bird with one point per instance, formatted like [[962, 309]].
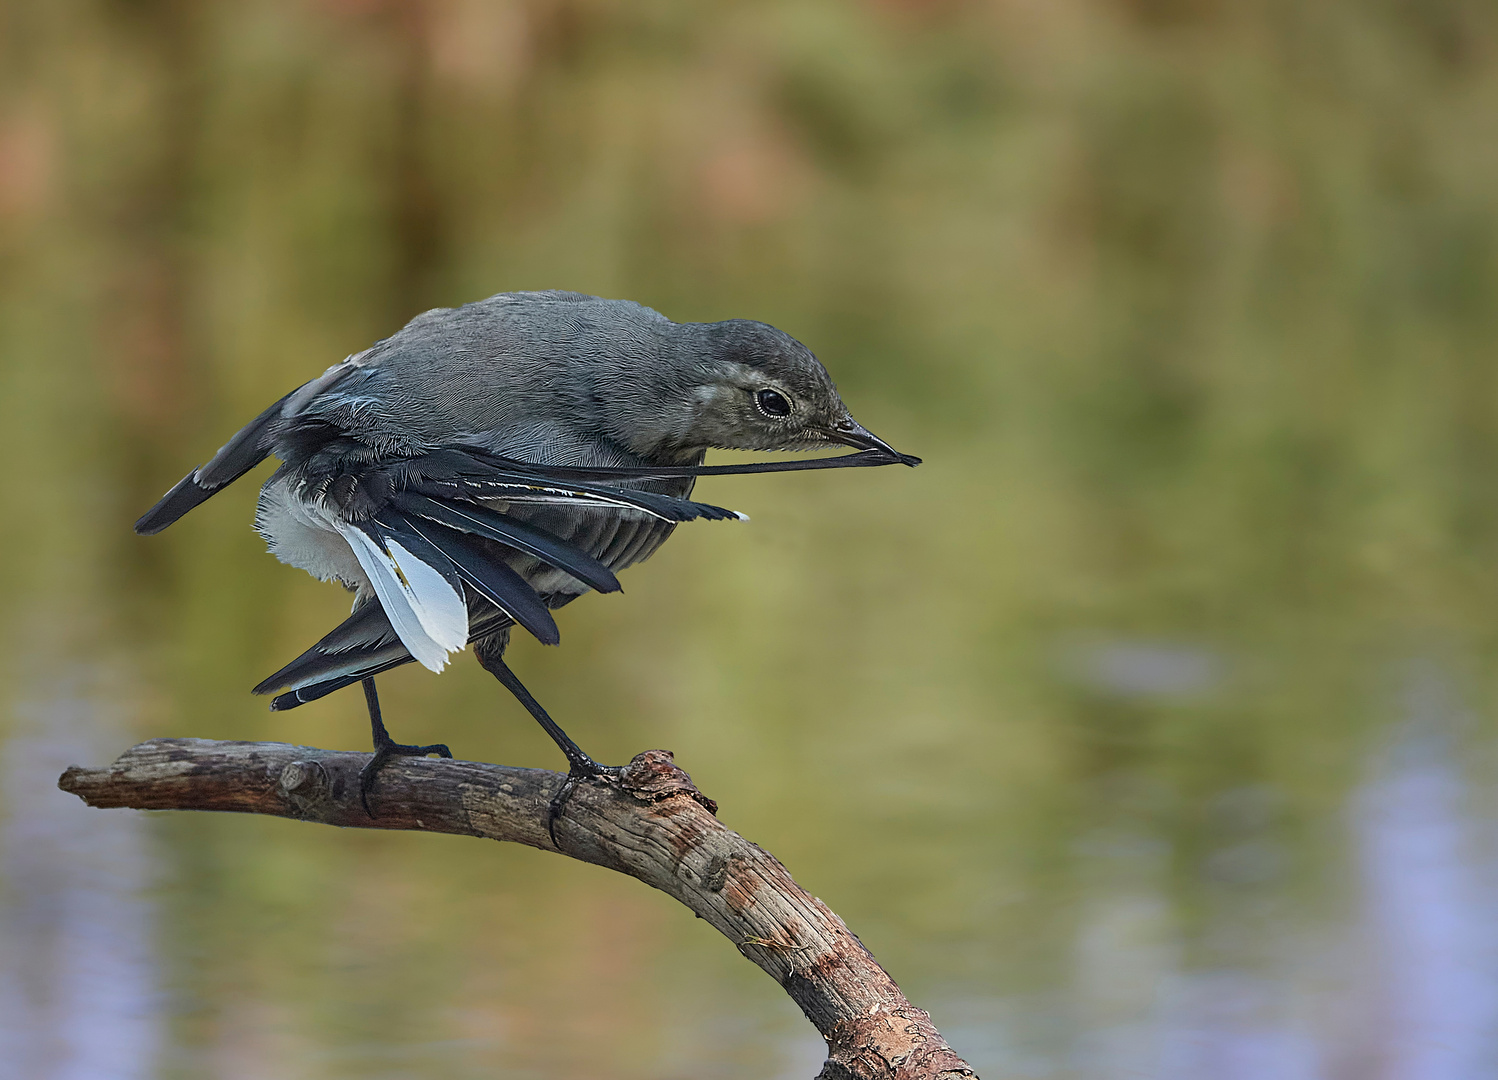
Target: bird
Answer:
[[489, 463]]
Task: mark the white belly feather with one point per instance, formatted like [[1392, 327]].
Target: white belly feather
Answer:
[[301, 538]]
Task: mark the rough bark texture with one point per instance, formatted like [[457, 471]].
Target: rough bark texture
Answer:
[[652, 824]]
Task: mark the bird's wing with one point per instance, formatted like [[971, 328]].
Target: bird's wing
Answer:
[[239, 455], [421, 569], [420, 590], [479, 520], [481, 567], [863, 458], [471, 474], [438, 558], [433, 511]]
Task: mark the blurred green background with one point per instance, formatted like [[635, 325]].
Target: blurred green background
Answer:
[[1145, 731]]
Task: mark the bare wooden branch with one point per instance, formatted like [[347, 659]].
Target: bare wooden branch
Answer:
[[651, 823]]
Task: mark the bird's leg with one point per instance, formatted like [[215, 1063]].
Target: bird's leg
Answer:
[[385, 747], [580, 765]]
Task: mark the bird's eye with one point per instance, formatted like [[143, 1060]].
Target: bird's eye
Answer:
[[772, 403]]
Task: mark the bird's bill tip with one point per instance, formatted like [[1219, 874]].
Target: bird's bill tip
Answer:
[[850, 432]]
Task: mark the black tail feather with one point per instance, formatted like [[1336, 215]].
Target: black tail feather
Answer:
[[347, 660], [302, 695], [365, 637]]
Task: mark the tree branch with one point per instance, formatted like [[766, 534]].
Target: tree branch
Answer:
[[651, 823]]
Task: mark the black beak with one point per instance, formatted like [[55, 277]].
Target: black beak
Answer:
[[850, 432]]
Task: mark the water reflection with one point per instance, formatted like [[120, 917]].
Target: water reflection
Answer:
[[1428, 871], [80, 992], [1410, 992], [1159, 670]]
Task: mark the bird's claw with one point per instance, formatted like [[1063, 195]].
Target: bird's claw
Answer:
[[384, 753], [586, 770]]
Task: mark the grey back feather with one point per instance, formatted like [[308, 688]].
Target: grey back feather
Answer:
[[528, 375]]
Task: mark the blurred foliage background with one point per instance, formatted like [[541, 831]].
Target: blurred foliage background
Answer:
[[1145, 731]]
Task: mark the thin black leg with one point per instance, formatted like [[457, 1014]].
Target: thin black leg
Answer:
[[580, 765], [385, 747]]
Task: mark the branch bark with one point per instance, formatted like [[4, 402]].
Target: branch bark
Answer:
[[651, 823]]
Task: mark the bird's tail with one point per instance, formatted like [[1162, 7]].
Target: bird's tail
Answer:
[[362, 646]]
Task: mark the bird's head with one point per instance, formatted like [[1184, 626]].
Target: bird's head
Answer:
[[748, 386]]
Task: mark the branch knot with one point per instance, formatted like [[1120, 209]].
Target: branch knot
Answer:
[[654, 775]]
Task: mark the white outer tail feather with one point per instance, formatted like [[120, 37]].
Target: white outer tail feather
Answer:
[[426, 612]]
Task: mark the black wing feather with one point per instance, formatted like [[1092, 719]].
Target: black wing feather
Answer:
[[465, 474], [863, 458], [478, 567], [238, 456], [470, 517]]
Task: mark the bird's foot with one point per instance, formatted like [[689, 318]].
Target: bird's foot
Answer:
[[583, 770], [383, 752]]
